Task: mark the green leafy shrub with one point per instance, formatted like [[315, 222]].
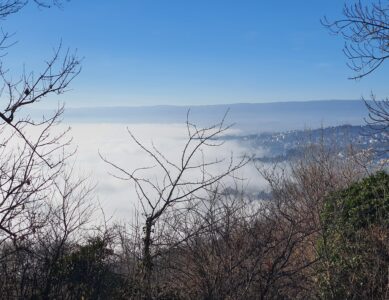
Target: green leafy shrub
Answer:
[[87, 272], [354, 248]]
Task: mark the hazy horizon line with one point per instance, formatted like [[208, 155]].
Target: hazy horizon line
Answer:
[[213, 104]]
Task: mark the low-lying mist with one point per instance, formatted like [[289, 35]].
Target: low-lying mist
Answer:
[[117, 197]]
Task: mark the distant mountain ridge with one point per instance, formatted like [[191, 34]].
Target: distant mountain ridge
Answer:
[[255, 117]]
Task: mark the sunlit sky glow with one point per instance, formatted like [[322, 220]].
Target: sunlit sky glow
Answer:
[[148, 52]]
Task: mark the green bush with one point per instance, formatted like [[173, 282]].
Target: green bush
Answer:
[[354, 246], [87, 272]]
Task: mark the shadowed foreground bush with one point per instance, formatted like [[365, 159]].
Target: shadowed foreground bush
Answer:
[[355, 246]]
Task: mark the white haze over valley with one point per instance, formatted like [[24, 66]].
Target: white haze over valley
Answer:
[[118, 197]]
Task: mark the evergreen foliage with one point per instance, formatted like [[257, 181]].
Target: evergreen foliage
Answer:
[[354, 247]]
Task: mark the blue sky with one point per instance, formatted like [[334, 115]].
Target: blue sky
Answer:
[[150, 52]]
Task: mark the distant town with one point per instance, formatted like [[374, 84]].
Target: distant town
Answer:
[[286, 145]]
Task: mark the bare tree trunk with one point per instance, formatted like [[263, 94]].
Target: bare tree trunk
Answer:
[[147, 264]]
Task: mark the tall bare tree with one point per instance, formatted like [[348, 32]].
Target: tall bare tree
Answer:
[[181, 182]]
